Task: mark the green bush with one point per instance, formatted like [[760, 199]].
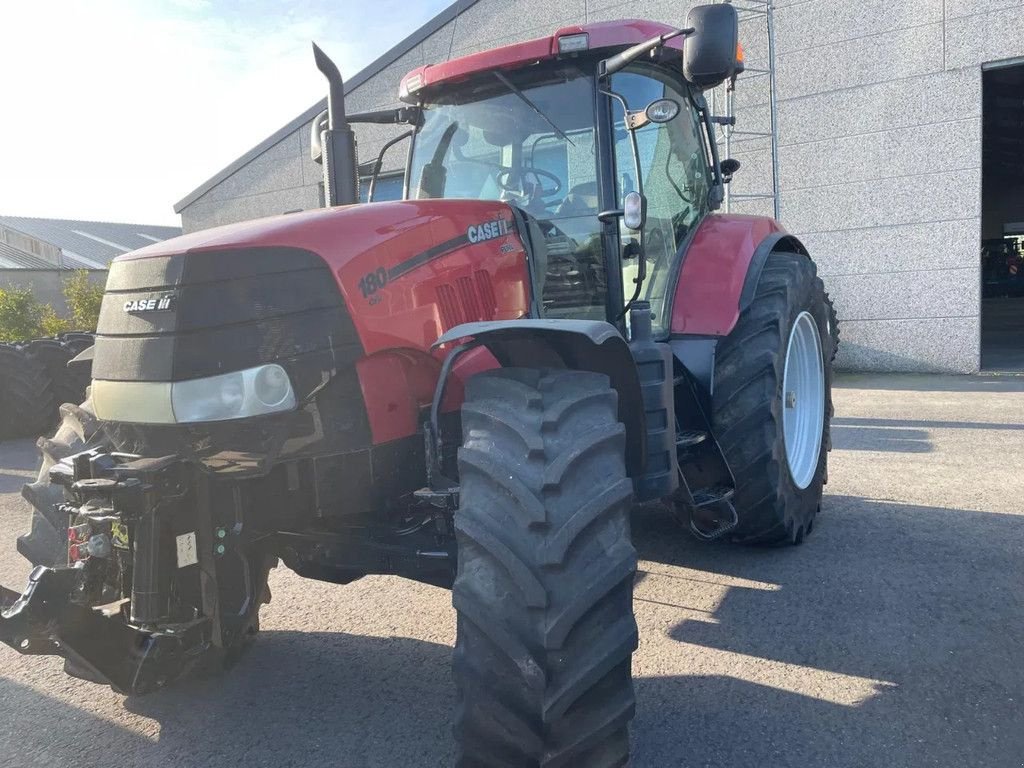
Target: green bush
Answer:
[[84, 299], [23, 317], [20, 314], [50, 323]]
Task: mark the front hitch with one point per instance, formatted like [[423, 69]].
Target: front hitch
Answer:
[[96, 643]]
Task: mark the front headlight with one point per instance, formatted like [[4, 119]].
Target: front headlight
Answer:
[[252, 392]]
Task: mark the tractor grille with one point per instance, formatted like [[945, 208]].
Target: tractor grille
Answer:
[[467, 300], [193, 315], [223, 312]]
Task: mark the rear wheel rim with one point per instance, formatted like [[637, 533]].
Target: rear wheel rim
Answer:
[[803, 396]]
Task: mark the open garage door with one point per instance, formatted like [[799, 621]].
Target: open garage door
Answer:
[[1002, 223]]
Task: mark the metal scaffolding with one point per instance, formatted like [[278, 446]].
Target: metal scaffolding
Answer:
[[728, 135]]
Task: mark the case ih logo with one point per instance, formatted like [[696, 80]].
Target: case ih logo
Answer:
[[161, 304], [492, 229]]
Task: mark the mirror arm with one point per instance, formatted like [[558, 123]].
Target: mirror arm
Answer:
[[400, 116], [620, 61], [717, 196], [379, 163]]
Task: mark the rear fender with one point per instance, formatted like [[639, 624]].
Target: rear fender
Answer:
[[584, 345], [717, 280], [720, 270]]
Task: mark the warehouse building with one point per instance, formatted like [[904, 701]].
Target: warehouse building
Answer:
[[39, 253], [899, 136]]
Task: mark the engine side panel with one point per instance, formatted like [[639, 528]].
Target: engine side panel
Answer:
[[710, 286], [441, 268]]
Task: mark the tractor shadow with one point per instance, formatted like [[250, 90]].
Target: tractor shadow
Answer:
[[900, 435], [40, 731], [929, 382], [12, 483], [892, 636], [312, 699], [19, 461]]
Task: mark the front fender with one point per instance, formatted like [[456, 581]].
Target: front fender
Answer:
[[584, 345]]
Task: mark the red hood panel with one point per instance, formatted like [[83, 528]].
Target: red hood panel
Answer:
[[325, 230], [408, 270]]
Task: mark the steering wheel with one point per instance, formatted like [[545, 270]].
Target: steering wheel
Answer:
[[512, 181]]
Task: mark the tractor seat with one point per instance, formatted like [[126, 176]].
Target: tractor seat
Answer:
[[582, 199]]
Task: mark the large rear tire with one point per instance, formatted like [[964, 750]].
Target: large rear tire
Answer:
[[545, 579], [779, 474], [27, 403], [68, 385]]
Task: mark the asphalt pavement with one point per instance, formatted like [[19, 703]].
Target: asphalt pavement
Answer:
[[894, 636]]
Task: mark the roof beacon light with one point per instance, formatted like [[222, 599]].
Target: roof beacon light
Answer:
[[410, 86], [573, 43]]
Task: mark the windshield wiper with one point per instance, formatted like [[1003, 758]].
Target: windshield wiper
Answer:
[[526, 100]]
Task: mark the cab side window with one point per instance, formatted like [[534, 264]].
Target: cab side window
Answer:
[[674, 172]]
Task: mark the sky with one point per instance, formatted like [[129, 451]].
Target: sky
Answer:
[[113, 110]]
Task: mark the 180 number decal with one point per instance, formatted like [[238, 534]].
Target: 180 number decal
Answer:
[[372, 282]]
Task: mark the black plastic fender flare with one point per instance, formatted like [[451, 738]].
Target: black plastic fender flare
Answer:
[[778, 241], [583, 345]]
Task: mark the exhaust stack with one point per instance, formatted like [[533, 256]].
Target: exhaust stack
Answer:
[[337, 141]]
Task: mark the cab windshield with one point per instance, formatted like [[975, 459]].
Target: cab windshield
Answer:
[[528, 138]]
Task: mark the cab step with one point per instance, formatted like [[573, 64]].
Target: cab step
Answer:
[[702, 497]]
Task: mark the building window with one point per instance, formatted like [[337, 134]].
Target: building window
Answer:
[[389, 187]]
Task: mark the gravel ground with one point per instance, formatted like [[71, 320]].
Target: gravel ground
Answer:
[[893, 637]]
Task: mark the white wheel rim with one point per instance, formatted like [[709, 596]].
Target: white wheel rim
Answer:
[[803, 400]]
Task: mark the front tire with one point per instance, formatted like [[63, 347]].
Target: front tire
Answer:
[[775, 443], [545, 579]]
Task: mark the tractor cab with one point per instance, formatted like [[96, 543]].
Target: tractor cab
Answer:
[[567, 147], [598, 136]]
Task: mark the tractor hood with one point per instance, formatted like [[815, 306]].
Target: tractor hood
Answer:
[[365, 277], [189, 326], [337, 234]]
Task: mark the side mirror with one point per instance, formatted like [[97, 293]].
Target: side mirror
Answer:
[[729, 166], [712, 54]]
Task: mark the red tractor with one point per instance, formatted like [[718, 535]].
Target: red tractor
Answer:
[[469, 387]]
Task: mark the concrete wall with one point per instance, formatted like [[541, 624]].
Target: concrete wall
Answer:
[[879, 138], [46, 285], [880, 163]]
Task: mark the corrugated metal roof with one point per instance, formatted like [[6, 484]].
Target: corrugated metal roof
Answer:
[[87, 244], [12, 258]]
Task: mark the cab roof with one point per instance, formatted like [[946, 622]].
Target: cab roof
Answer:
[[603, 34]]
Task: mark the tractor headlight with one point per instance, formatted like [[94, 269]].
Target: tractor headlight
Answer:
[[238, 395]]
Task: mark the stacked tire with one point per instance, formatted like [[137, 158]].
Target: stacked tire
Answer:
[[35, 381]]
